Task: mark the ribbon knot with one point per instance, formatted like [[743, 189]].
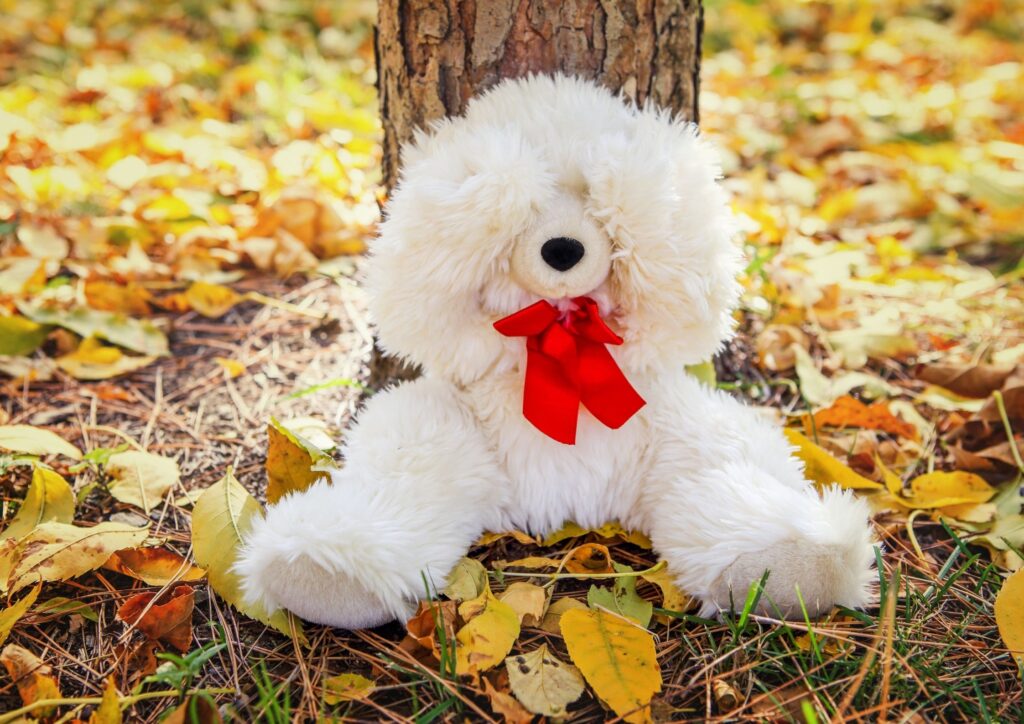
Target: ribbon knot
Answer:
[[567, 364]]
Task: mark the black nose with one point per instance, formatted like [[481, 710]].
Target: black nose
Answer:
[[562, 253]]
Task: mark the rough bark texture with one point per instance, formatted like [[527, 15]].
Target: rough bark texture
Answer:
[[434, 55]]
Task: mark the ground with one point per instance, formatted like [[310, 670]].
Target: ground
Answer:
[[208, 170]]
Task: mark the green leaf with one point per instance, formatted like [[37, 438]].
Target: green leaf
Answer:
[[69, 606], [134, 334], [622, 598], [20, 336]]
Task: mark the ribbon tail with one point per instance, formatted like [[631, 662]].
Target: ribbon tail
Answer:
[[551, 402], [604, 389]]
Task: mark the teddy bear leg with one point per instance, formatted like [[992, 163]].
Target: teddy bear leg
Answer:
[[722, 529], [418, 487]]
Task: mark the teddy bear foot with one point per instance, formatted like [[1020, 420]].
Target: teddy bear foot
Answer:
[[829, 564]]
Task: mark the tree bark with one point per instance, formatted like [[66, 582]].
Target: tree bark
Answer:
[[434, 55]]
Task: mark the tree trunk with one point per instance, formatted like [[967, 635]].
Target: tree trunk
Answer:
[[434, 55]]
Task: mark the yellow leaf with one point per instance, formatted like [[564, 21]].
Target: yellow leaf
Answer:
[[36, 441], [211, 300], [939, 489], [109, 710], [31, 676], [823, 469], [289, 463], [49, 498], [141, 478], [10, 615], [608, 530], [42, 242], [527, 600], [347, 687], [553, 618], [542, 683], [220, 519], [138, 335], [616, 657], [130, 298], [233, 367], [488, 636], [672, 598], [20, 336], [1009, 611], [58, 551], [95, 361], [467, 580]]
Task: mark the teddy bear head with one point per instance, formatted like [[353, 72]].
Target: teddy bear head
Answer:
[[552, 188]]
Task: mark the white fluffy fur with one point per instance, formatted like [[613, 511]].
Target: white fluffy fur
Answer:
[[433, 463]]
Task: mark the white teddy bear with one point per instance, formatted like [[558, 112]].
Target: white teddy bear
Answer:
[[553, 260]]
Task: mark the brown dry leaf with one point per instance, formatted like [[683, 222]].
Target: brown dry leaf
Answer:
[[505, 705], [979, 380], [155, 566], [197, 709], [528, 600], [850, 412], [422, 627], [136, 662], [289, 462], [775, 347], [726, 696], [167, 618], [592, 558], [31, 676]]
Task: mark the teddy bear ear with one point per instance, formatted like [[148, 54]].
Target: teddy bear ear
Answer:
[[466, 192], [676, 260]]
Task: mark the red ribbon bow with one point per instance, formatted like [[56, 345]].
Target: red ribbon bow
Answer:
[[567, 363]]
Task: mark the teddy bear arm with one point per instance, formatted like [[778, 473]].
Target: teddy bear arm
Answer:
[[726, 501], [418, 486]]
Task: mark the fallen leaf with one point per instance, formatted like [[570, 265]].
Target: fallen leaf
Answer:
[[487, 637], [13, 613], [939, 489], [131, 298], [979, 380], [220, 519], [506, 706], [36, 441], [850, 412], [622, 598], [134, 334], [211, 300], [553, 617], [290, 462], [423, 626], [726, 696], [347, 687], [823, 469], [61, 605], [1009, 611], [616, 657], [93, 360], [109, 710], [878, 341], [543, 684], [49, 499], [774, 347], [197, 709], [20, 336], [488, 538], [589, 558], [155, 566], [58, 551], [821, 391], [467, 580], [527, 600], [166, 618], [31, 676], [608, 530], [141, 478], [42, 242], [672, 598], [233, 367]]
